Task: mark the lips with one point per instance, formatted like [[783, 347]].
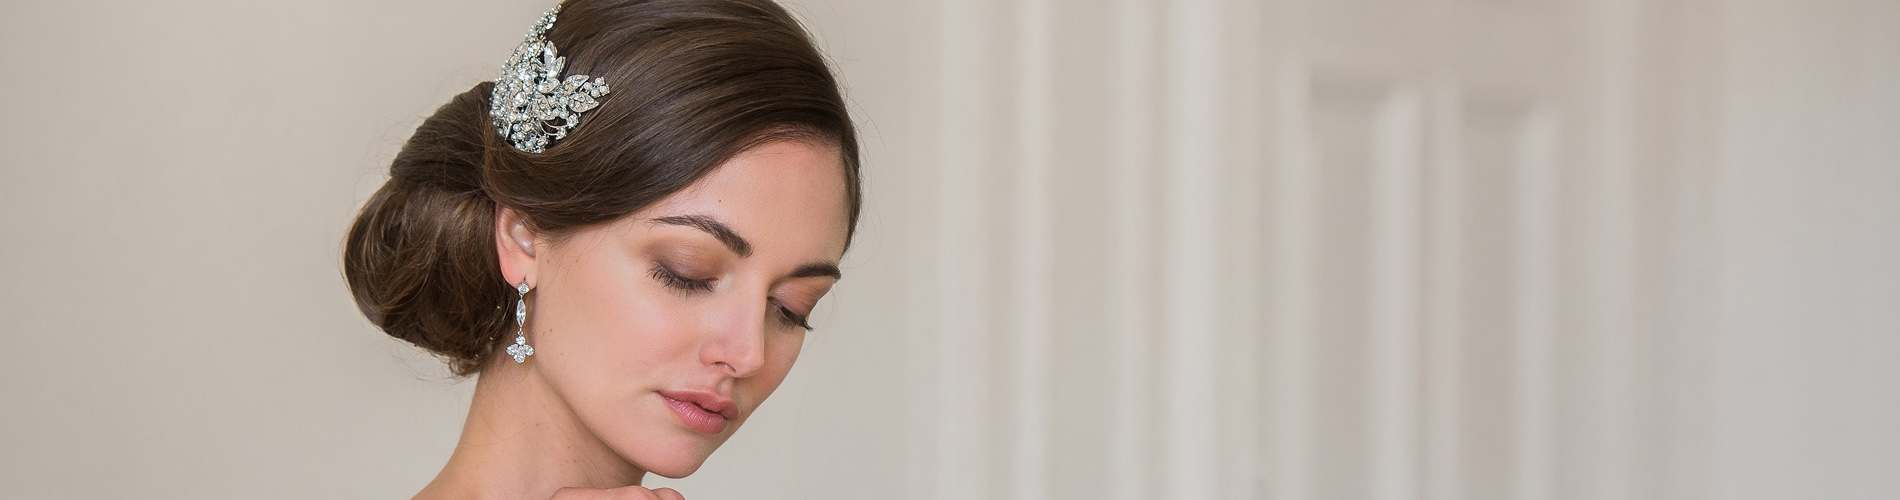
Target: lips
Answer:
[[701, 411]]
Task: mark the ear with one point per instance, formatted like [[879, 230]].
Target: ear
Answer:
[[515, 246]]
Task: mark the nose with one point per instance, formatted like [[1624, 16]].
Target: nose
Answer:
[[737, 342]]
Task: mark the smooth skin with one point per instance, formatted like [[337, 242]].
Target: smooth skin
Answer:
[[706, 290]]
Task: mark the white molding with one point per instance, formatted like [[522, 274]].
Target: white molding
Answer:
[[1535, 292], [1243, 328], [924, 324], [1292, 321], [965, 438], [1131, 463], [1444, 445], [1614, 30], [1394, 285], [1030, 220], [1194, 156]]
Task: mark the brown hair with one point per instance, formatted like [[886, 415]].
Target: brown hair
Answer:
[[694, 82]]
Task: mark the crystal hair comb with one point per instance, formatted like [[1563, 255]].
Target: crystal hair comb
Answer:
[[531, 104]]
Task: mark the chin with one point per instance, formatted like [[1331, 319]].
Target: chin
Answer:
[[676, 473], [674, 463], [671, 456], [656, 441]]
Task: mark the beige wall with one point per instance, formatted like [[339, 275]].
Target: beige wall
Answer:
[[1808, 352], [1709, 313]]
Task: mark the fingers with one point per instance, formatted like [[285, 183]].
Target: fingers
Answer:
[[624, 493], [621, 493]]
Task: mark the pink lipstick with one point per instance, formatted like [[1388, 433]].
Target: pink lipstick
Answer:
[[700, 411]]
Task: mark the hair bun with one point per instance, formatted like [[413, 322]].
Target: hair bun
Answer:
[[420, 258]]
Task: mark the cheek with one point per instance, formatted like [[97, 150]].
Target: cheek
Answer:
[[655, 331], [780, 355], [620, 333]]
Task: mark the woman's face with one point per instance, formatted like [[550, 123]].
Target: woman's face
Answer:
[[663, 331]]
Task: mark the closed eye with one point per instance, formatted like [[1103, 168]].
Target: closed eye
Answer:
[[688, 286], [678, 282], [791, 318]]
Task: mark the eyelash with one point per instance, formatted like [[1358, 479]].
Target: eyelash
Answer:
[[675, 281], [786, 314], [687, 286]]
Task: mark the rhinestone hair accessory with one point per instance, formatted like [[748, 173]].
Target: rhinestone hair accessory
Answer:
[[531, 104]]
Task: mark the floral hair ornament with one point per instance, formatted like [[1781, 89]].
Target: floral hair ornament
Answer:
[[531, 104]]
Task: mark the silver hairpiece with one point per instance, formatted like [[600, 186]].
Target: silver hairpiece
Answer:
[[531, 104]]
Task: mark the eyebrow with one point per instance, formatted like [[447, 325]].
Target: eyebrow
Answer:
[[738, 244], [711, 226], [817, 269]]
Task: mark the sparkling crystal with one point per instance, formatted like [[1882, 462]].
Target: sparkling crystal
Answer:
[[573, 83], [520, 350], [531, 104], [582, 102]]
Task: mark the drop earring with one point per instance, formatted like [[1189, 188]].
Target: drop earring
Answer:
[[520, 350]]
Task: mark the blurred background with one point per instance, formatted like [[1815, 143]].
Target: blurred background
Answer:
[[1199, 249]]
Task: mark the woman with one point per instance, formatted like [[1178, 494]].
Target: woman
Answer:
[[621, 237]]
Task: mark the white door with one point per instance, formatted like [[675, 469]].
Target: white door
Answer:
[[1290, 249], [1204, 249]]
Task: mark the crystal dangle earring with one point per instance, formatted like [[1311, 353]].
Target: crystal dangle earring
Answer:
[[520, 350]]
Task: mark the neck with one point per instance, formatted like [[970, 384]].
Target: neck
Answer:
[[522, 440]]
